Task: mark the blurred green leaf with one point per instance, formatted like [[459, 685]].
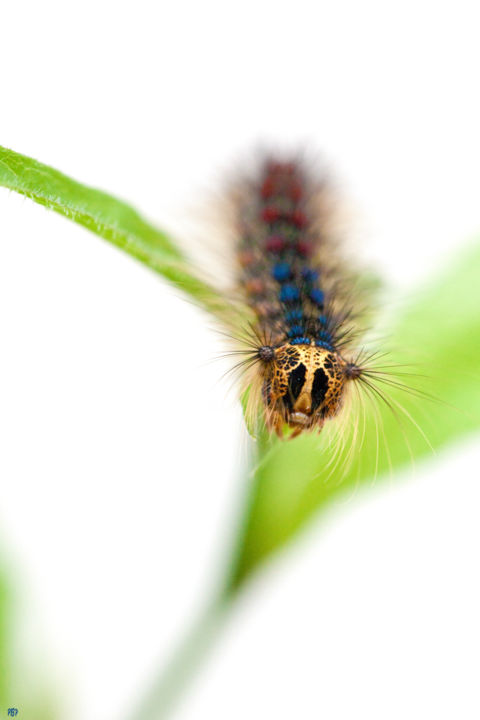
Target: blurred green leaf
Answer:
[[110, 218], [440, 334], [31, 695], [5, 640]]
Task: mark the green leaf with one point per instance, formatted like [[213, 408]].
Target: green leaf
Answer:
[[5, 639], [110, 218], [293, 480], [18, 688]]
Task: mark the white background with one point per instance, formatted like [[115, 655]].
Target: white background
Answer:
[[114, 531]]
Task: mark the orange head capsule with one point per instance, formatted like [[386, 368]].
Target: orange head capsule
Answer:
[[302, 385]]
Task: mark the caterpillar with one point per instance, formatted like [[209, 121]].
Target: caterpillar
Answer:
[[303, 303]]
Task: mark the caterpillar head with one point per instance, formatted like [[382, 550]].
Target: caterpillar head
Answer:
[[303, 385]]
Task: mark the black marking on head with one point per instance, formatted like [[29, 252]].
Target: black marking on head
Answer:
[[288, 358], [319, 388], [329, 363], [296, 380]]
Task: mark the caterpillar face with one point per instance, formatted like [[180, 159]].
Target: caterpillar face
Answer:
[[303, 385]]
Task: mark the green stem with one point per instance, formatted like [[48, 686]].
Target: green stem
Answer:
[[168, 688]]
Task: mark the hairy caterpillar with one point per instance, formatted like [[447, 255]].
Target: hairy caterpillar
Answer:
[[305, 306]]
